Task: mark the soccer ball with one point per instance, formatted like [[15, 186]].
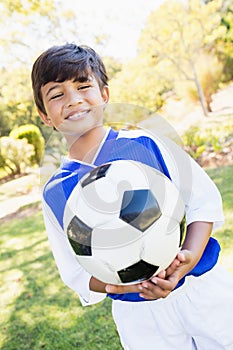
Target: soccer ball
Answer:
[[125, 221]]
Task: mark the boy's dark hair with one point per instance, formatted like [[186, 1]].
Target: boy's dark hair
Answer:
[[66, 62]]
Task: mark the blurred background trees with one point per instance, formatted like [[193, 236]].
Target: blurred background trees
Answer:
[[185, 49]]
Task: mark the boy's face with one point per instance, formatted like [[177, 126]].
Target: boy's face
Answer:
[[74, 107]]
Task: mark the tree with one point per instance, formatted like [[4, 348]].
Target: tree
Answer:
[[112, 66], [139, 84], [224, 44], [20, 20], [177, 34], [16, 102], [30, 26]]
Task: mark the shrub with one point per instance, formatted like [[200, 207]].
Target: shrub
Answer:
[[33, 135], [15, 155], [212, 138]]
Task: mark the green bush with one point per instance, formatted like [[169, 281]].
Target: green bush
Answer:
[[15, 155], [213, 137], [33, 135], [197, 140]]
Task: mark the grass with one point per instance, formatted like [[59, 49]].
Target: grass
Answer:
[[223, 178], [39, 312]]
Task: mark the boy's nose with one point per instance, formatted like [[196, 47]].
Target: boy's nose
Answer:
[[73, 99]]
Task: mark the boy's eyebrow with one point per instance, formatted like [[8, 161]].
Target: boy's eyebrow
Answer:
[[51, 89], [80, 79], [83, 79]]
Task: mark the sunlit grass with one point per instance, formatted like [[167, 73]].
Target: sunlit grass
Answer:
[[223, 178], [37, 310]]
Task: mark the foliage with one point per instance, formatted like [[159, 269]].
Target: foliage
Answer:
[[16, 103], [21, 40], [33, 135], [124, 115], [27, 7], [210, 74], [5, 121], [177, 34], [15, 155], [112, 66], [224, 44], [196, 142], [139, 84], [198, 139]]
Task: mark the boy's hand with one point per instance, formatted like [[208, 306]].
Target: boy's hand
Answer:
[[159, 286]]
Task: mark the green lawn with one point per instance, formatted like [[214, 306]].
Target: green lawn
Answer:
[[39, 312], [223, 178]]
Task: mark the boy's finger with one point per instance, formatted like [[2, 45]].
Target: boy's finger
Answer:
[[162, 274], [120, 289]]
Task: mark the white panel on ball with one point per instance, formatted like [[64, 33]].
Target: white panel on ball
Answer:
[[125, 222]]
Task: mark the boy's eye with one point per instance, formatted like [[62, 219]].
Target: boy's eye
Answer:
[[55, 96], [83, 87]]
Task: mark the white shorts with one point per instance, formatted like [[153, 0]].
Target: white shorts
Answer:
[[198, 315]]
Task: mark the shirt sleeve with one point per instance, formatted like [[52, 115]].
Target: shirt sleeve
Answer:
[[71, 272], [201, 196]]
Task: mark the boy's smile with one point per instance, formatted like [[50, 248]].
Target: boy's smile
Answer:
[[78, 115]]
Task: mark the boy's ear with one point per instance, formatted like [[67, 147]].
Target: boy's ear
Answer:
[[44, 118], [105, 93]]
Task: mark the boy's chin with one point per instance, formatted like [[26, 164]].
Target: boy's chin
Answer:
[[78, 130]]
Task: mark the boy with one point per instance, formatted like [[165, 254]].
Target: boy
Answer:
[[188, 306]]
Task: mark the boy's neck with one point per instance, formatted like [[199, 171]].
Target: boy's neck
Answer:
[[84, 148]]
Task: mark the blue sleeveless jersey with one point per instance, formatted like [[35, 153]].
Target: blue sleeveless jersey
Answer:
[[138, 148]]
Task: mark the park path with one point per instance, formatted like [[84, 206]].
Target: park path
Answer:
[[185, 114], [18, 193]]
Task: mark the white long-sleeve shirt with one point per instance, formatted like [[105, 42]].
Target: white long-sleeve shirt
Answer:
[[201, 197]]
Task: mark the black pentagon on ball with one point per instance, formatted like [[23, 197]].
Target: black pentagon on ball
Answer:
[[140, 271], [79, 235], [95, 174], [140, 209]]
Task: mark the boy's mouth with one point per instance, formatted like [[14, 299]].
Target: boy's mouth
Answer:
[[77, 116]]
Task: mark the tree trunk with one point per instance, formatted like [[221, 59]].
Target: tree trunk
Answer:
[[200, 92]]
